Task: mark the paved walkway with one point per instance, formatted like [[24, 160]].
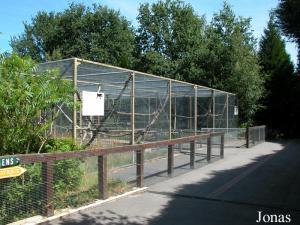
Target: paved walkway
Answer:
[[264, 178]]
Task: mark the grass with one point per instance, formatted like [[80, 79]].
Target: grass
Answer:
[[81, 197], [87, 191]]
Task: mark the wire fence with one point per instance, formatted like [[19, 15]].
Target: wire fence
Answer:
[[234, 137], [56, 181], [255, 135]]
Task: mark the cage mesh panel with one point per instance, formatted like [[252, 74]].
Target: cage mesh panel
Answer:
[[234, 137], [232, 119], [215, 147], [121, 172], [75, 182], [200, 151], [118, 160], [220, 109], [116, 85], [63, 124], [256, 135], [181, 157], [183, 109], [151, 108], [64, 67], [23, 196], [151, 100], [204, 108], [155, 166]]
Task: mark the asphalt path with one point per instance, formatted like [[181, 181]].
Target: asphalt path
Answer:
[[260, 185]]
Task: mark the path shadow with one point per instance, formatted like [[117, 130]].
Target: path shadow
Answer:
[[270, 184]]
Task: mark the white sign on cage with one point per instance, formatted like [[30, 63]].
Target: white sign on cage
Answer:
[[236, 111], [92, 103]]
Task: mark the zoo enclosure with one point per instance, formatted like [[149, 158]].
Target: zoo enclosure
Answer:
[[18, 208], [138, 107]]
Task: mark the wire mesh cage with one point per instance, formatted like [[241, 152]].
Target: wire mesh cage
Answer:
[[138, 107]]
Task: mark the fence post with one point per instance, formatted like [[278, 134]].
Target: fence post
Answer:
[[132, 108], [102, 176], [47, 176], [214, 108], [74, 118], [192, 154], [170, 160], [222, 147], [140, 168], [170, 109], [196, 111], [247, 138], [208, 148]]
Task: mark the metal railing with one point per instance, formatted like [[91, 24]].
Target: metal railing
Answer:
[[255, 135], [46, 182]]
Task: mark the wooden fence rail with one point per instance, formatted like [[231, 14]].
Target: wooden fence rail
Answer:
[[48, 159]]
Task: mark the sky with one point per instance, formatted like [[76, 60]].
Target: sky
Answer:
[[14, 12]]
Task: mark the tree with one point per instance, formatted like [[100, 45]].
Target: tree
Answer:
[[233, 62], [288, 14], [278, 70], [97, 33], [175, 42], [171, 40], [27, 99]]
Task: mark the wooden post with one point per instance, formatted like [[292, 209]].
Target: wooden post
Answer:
[[74, 133], [196, 111], [227, 116], [170, 160], [214, 109], [80, 120], [222, 147], [190, 113], [132, 108], [102, 176], [192, 154], [47, 176], [208, 157], [170, 109], [140, 168]]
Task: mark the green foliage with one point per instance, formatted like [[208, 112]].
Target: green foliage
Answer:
[[288, 14], [27, 104], [175, 42], [278, 70], [170, 40], [67, 173], [60, 145], [233, 63], [97, 33]]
